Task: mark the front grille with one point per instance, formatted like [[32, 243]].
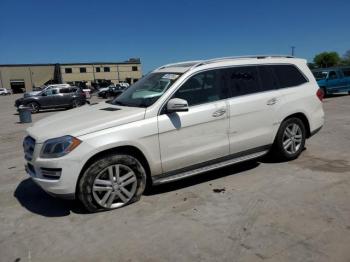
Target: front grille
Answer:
[[28, 147]]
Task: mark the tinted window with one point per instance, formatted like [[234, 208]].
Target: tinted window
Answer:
[[242, 80], [332, 75], [50, 92], [64, 90], [68, 70], [288, 75], [201, 88], [346, 72], [267, 78], [82, 70]]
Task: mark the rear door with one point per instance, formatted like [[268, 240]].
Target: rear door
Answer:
[[63, 97], [345, 80], [333, 81], [199, 135], [252, 107]]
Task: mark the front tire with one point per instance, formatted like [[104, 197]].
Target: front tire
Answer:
[[112, 182], [34, 106], [290, 139]]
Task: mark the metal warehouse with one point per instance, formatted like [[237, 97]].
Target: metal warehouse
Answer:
[[24, 77]]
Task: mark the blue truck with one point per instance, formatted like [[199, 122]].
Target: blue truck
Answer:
[[333, 80]]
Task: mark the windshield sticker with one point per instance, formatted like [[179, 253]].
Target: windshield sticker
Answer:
[[170, 76]]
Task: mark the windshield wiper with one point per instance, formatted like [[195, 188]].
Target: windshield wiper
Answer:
[[118, 103]]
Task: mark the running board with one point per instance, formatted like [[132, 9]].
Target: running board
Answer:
[[167, 178]]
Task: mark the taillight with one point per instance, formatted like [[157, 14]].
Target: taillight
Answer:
[[320, 94]]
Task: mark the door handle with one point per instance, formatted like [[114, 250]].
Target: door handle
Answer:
[[219, 112], [272, 101]]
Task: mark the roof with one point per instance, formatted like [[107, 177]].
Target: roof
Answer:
[[187, 65], [130, 61]]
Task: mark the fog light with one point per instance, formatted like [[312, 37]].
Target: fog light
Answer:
[[51, 173]]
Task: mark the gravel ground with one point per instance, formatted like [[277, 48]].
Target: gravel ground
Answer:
[[255, 211]]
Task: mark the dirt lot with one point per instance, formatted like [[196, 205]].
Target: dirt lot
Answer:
[[296, 211]]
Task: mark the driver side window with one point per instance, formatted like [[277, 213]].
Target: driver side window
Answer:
[[201, 88], [51, 92]]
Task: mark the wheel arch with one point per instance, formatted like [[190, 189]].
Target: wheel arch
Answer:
[[304, 119], [130, 150], [32, 101]]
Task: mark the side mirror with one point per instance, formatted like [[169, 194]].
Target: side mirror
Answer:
[[177, 105], [43, 94]]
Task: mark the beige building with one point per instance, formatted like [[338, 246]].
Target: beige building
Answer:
[[25, 77]]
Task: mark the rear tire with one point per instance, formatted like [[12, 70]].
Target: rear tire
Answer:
[[290, 140], [75, 103], [111, 182]]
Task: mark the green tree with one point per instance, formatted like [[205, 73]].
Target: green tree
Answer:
[[327, 59]]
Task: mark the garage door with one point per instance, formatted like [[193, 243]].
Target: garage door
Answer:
[[17, 86]]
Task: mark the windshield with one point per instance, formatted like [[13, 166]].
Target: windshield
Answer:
[[147, 90], [320, 75]]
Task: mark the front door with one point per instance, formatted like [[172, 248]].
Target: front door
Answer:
[[47, 98], [199, 135]]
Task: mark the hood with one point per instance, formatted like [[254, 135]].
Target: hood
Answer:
[[84, 120]]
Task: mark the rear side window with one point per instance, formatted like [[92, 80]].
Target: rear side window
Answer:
[[64, 90], [242, 80], [346, 72], [288, 75], [268, 78]]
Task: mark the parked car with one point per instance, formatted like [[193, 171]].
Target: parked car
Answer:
[[178, 121], [4, 92], [43, 88], [124, 84], [111, 91], [333, 80], [62, 97]]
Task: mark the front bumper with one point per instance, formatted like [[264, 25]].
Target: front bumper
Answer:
[[57, 176]]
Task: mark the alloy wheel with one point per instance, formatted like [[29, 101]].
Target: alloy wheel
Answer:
[[34, 107], [292, 138], [114, 186]]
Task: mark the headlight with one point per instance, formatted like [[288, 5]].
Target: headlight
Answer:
[[58, 147]]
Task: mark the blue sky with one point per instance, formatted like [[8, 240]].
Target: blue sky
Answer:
[[159, 32]]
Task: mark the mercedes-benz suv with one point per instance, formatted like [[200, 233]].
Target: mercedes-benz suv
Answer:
[[178, 121]]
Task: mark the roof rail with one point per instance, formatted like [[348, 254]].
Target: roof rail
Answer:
[[179, 64], [214, 60]]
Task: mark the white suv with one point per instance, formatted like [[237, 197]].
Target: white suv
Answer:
[[178, 121]]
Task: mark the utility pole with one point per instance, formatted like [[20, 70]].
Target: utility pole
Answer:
[[293, 48], [1, 84]]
